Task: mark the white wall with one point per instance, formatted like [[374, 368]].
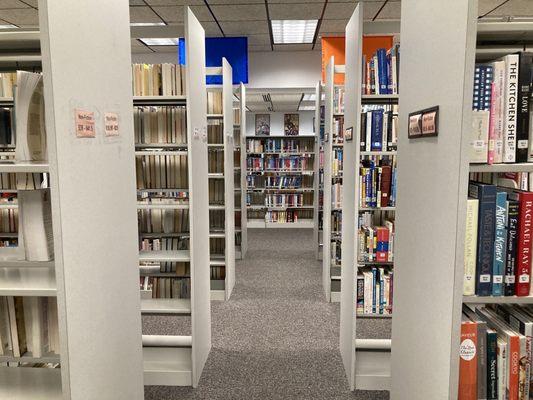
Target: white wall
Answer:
[[273, 69], [276, 123]]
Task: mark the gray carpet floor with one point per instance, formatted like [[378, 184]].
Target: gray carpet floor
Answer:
[[276, 338]]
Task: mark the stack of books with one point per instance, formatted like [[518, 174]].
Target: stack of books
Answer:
[[501, 127]]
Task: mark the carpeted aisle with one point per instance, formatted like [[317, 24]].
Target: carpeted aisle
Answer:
[[276, 338]]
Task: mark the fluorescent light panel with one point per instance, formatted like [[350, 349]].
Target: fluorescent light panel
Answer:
[[147, 24], [293, 31], [306, 108], [160, 41], [8, 26]]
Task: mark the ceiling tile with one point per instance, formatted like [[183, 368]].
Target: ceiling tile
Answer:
[[23, 17], [293, 47], [295, 11], [333, 25], [31, 3], [137, 3], [244, 27], [514, 8], [339, 10], [166, 49], [247, 12], [136, 43], [391, 11], [7, 4], [143, 14], [170, 14], [259, 48], [202, 13], [139, 50], [212, 29], [259, 40], [302, 3]]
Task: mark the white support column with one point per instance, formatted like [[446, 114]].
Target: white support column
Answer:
[[328, 139], [242, 144], [229, 175], [316, 168], [198, 194], [86, 60], [431, 202]]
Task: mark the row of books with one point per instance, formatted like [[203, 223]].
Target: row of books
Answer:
[[165, 243], [6, 127], [216, 191], [217, 246], [374, 291], [166, 288], [161, 171], [158, 79], [279, 182], [288, 216], [497, 241], [495, 353], [502, 110], [377, 182], [163, 221], [217, 220], [381, 71], [236, 116], [338, 100], [7, 81], [335, 250], [273, 145], [215, 132], [336, 161], [338, 130], [379, 128], [214, 102], [274, 163], [171, 198], [336, 221], [217, 273], [289, 200], [161, 124], [9, 220], [336, 195], [216, 161], [376, 243], [28, 325]]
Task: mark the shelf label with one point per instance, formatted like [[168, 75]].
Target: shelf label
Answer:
[[423, 123], [85, 124], [111, 124]]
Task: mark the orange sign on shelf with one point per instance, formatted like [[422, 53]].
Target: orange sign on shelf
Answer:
[[335, 46]]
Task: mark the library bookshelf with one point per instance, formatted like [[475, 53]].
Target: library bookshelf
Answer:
[[85, 231], [177, 360], [318, 218], [221, 183], [281, 176], [241, 225]]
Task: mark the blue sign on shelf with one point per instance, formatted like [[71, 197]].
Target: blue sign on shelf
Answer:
[[234, 49]]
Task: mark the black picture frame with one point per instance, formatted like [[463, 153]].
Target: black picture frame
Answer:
[[423, 123]]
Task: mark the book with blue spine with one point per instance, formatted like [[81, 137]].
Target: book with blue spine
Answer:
[[510, 257], [500, 244], [381, 291], [382, 71], [377, 130], [486, 194], [374, 292]]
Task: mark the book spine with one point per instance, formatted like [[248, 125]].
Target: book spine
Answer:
[[469, 283], [513, 365], [510, 258], [499, 102], [499, 244], [492, 126], [481, 360], [468, 362], [511, 93], [486, 194], [523, 267], [492, 369], [377, 128], [374, 294], [524, 91]]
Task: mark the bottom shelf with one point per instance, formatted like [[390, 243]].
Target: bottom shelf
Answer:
[[219, 295], [20, 383], [335, 297], [373, 364], [259, 223], [167, 366], [373, 315]]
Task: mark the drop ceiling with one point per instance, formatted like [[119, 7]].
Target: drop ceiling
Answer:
[[250, 17]]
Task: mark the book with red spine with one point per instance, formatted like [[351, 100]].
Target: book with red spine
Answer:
[[524, 242], [386, 172], [382, 248], [468, 360]]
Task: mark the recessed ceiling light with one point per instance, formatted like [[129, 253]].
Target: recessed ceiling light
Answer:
[[306, 108], [8, 26], [147, 24], [309, 97], [160, 41], [291, 31]]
